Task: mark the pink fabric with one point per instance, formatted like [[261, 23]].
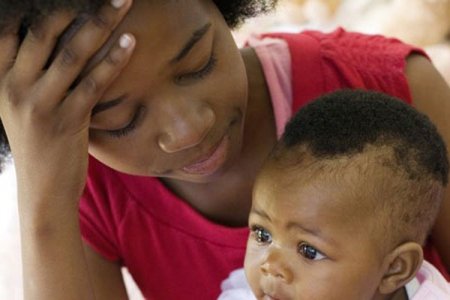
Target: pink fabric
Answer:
[[275, 59], [327, 62], [433, 285], [172, 251]]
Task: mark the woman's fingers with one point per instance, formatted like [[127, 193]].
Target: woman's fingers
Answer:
[[73, 56], [38, 45], [88, 91], [8, 50], [43, 95]]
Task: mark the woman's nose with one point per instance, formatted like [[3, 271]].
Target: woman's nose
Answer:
[[185, 128], [275, 265]]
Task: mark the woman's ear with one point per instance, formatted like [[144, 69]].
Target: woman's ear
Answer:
[[401, 265]]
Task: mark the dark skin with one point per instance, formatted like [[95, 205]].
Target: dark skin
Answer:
[[232, 197], [431, 95], [244, 158], [189, 107], [333, 214]]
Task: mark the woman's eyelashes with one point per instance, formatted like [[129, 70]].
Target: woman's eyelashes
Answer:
[[118, 133], [199, 74]]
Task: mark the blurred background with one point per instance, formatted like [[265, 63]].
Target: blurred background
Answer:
[[425, 23]]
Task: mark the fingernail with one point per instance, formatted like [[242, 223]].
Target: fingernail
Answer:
[[125, 41], [118, 3]]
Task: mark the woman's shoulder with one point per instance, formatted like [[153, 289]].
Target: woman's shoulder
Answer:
[[344, 45], [326, 61]]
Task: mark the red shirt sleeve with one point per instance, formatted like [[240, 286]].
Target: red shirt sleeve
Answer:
[[325, 62], [365, 61], [100, 213]]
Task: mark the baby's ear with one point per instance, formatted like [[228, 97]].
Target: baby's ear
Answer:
[[401, 266]]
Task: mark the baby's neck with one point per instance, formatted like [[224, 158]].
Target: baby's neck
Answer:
[[400, 294]]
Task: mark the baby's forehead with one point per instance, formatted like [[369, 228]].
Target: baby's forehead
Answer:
[[357, 181], [300, 166], [336, 200]]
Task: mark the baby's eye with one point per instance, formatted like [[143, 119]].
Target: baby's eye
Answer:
[[309, 252], [261, 235]]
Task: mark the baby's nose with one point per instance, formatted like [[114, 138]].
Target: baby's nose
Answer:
[[277, 272], [275, 266]]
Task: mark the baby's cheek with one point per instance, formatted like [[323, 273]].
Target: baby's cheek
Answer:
[[252, 264]]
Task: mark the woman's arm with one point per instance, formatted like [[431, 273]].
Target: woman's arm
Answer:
[[106, 276], [47, 124], [431, 95]]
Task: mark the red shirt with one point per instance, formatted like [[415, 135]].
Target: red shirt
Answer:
[[172, 251]]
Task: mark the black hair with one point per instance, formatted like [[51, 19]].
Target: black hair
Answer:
[[28, 12], [346, 123]]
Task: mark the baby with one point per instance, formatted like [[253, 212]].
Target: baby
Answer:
[[344, 204]]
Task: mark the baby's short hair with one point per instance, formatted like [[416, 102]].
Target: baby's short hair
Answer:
[[348, 124]]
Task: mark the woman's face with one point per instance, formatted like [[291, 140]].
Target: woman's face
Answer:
[[177, 109]]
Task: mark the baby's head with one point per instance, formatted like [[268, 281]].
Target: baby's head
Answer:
[[344, 203]]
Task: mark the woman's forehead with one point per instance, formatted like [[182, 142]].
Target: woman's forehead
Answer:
[[163, 16], [165, 22], [160, 26]]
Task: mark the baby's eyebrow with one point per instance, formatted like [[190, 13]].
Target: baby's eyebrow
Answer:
[[260, 213], [312, 231], [294, 225], [195, 38]]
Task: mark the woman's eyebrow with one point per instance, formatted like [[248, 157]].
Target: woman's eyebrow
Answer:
[[99, 107], [195, 38]]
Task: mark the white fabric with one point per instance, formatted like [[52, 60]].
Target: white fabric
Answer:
[[428, 284], [433, 285], [412, 287], [235, 287]]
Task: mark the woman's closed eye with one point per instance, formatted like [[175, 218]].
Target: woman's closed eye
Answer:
[[204, 71], [261, 235], [310, 252], [118, 133]]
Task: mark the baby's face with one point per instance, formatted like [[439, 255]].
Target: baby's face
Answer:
[[306, 243]]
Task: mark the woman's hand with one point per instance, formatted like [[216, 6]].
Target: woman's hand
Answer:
[[46, 123], [45, 107]]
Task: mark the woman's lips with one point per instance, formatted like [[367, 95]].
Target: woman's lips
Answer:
[[210, 164]]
